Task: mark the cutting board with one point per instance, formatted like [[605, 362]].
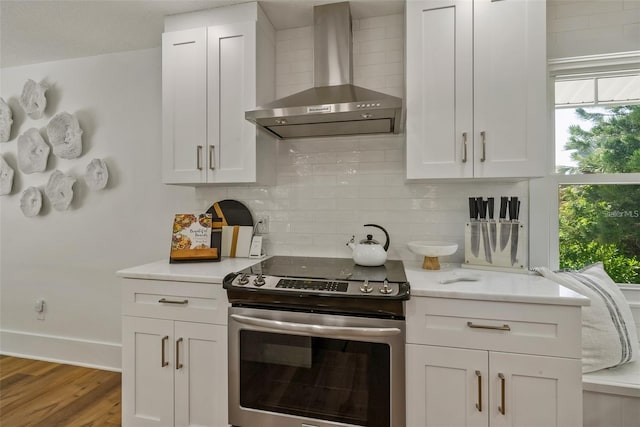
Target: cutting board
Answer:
[[234, 225], [230, 212], [236, 240]]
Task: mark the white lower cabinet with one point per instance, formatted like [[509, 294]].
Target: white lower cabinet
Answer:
[[477, 386], [440, 386], [201, 381], [460, 387], [147, 382], [174, 372], [533, 391]]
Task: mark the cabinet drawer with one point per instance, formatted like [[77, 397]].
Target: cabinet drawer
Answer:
[[550, 330], [193, 302]]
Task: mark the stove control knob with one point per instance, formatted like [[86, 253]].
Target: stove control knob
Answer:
[[244, 279], [365, 288], [386, 289], [259, 281]]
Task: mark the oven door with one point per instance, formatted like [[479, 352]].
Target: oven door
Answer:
[[297, 369]]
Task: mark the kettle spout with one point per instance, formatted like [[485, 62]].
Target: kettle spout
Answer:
[[352, 243]]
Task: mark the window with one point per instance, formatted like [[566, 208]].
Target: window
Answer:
[[600, 222], [596, 171], [597, 123]]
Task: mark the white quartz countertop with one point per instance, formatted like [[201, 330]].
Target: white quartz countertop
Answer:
[[204, 272], [490, 285]]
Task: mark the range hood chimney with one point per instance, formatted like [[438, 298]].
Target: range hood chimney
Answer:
[[334, 106]]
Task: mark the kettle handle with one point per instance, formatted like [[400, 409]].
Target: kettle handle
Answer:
[[386, 235]]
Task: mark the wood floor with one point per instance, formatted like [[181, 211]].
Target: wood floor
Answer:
[[43, 394]]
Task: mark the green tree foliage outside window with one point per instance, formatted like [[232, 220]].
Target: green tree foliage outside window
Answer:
[[601, 222]]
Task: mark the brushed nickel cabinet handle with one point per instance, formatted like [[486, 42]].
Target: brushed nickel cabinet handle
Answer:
[[164, 362], [497, 328], [464, 147], [483, 135], [479, 404], [170, 301], [181, 43], [502, 408], [178, 364], [212, 157], [199, 157]]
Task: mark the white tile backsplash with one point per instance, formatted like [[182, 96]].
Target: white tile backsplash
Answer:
[[328, 188], [591, 27], [315, 208]]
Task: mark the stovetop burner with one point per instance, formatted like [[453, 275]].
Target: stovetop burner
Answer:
[[328, 269], [320, 284], [335, 277]]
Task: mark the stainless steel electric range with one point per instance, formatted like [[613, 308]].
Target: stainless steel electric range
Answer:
[[317, 342]]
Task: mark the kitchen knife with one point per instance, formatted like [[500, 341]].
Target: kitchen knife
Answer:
[[493, 232], [475, 231], [505, 228], [514, 211], [482, 205]]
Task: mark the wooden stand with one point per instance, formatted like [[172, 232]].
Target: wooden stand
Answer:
[[431, 263]]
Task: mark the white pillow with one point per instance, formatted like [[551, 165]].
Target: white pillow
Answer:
[[608, 330]]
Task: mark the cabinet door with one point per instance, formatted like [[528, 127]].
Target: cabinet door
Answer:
[[446, 387], [536, 391], [147, 372], [200, 374], [184, 106], [439, 89], [231, 156], [509, 88]]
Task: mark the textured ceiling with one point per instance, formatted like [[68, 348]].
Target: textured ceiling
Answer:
[[47, 30]]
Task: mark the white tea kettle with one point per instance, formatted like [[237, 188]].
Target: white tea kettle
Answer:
[[369, 252]]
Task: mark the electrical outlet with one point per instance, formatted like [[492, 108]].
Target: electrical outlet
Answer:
[[39, 307], [262, 225]]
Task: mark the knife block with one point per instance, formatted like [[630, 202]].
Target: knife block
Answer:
[[499, 247]]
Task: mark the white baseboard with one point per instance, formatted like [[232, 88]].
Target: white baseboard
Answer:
[[72, 351]]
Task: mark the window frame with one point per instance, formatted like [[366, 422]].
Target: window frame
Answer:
[[544, 220]]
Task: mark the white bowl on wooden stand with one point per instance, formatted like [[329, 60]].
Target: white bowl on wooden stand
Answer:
[[431, 250]]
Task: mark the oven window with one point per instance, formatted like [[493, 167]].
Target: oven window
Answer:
[[322, 378]]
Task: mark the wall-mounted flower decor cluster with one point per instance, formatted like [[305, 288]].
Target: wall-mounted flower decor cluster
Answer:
[[65, 137]]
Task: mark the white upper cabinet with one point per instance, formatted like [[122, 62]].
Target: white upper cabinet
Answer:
[[209, 79], [476, 88], [231, 91], [184, 105], [439, 89]]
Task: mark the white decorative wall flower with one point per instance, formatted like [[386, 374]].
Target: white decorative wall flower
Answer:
[[6, 120], [65, 136], [33, 152], [31, 202], [6, 177], [33, 99], [59, 190], [97, 174]]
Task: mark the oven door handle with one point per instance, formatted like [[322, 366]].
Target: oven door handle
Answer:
[[316, 330]]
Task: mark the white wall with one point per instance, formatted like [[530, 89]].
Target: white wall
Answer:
[[70, 258], [590, 27], [327, 188]]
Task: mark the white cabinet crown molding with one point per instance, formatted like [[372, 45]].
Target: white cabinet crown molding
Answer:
[[594, 63]]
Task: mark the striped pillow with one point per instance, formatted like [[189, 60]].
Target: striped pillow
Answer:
[[609, 336]]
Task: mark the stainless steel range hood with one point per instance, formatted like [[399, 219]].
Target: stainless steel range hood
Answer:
[[334, 106]]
